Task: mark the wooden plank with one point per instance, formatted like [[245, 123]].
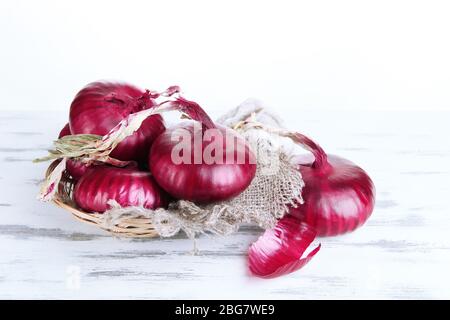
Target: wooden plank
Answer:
[[401, 253]]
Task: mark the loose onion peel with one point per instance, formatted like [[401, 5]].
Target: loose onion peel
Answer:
[[279, 250]]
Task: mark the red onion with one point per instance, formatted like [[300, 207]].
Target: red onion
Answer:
[[65, 131], [75, 168], [279, 250], [127, 186], [202, 180], [339, 196], [100, 106]]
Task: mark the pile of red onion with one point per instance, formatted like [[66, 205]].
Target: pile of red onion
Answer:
[[338, 195]]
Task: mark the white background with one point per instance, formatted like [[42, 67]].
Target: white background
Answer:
[[299, 54]]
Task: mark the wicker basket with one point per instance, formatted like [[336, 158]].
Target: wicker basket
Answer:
[[126, 227]]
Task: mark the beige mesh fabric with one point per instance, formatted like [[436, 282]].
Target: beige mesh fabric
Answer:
[[245, 109], [277, 185]]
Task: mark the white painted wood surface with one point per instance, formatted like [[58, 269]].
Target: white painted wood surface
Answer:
[[402, 252]]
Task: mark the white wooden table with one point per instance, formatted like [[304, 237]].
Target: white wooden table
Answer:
[[402, 252]]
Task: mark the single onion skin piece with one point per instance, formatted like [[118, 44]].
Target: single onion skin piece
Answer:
[[203, 181], [101, 105], [279, 250], [127, 186], [75, 168], [338, 195]]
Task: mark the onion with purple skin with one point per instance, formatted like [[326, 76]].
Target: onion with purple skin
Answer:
[[65, 131], [101, 105], [201, 180], [127, 186], [339, 196]]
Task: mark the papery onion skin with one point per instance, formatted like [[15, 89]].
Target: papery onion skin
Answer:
[[101, 105], [338, 195], [75, 168], [279, 250], [203, 182], [127, 186]]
